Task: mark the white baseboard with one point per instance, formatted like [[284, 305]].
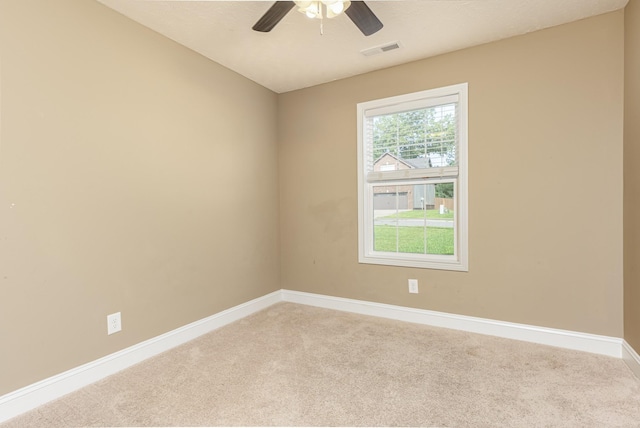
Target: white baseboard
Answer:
[[631, 357], [604, 345], [32, 396], [29, 397]]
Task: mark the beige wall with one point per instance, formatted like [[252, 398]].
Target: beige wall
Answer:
[[545, 146], [119, 186], [632, 176]]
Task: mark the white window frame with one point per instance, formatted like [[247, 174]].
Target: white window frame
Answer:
[[367, 180]]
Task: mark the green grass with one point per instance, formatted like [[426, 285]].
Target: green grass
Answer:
[[431, 214], [411, 239]]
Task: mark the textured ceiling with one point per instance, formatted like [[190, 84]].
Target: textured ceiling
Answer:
[[294, 55]]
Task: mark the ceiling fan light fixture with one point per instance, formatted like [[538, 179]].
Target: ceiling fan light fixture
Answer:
[[313, 9], [336, 7], [310, 8]]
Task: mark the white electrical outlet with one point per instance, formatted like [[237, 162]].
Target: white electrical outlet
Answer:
[[413, 286], [114, 323]]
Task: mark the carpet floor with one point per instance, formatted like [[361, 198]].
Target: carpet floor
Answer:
[[295, 365]]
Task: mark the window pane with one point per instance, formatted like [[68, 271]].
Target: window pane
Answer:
[[414, 218], [421, 138]]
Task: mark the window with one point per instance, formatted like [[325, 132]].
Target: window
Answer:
[[412, 180]]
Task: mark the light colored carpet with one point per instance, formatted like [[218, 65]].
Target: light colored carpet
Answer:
[[294, 365]]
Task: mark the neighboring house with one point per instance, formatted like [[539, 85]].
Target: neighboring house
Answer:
[[402, 197]]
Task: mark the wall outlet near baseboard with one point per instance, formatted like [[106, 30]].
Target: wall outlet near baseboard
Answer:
[[114, 323], [413, 286]]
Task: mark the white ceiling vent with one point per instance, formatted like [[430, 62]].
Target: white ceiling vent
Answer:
[[380, 49]]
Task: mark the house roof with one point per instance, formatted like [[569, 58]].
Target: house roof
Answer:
[[419, 162], [411, 163]]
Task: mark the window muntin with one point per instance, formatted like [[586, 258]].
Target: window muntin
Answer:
[[412, 179]]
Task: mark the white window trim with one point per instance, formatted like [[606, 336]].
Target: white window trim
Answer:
[[459, 262]]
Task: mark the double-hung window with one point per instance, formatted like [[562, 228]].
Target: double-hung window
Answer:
[[412, 180]]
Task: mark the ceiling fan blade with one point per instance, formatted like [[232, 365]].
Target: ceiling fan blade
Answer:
[[273, 16], [363, 17]]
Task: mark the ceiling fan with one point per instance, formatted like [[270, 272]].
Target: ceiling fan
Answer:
[[357, 11]]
